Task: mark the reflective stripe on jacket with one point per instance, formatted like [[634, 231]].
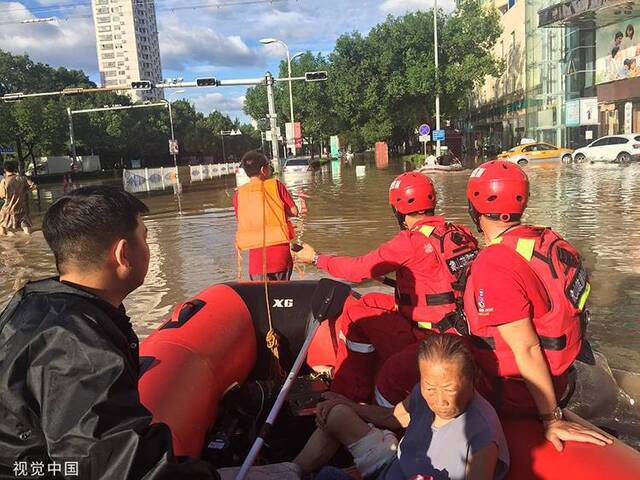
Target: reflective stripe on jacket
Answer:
[[559, 267]]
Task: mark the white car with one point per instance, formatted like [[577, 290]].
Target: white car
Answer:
[[297, 165], [613, 148]]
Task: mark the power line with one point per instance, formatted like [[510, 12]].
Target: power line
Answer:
[[166, 8]]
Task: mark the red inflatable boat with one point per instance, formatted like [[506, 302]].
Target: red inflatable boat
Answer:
[[211, 355]]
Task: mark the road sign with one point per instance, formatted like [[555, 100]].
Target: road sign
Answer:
[[6, 150], [424, 129], [425, 138], [438, 135], [173, 147]]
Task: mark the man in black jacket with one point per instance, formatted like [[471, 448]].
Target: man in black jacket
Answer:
[[69, 404]]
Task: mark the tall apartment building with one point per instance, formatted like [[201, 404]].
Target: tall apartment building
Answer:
[[127, 41]]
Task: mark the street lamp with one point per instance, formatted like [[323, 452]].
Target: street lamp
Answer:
[[435, 52], [269, 41]]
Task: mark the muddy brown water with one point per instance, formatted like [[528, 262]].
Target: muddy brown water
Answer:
[[597, 207]]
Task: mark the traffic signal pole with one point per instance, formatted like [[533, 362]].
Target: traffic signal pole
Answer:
[[72, 143], [145, 85], [273, 121]]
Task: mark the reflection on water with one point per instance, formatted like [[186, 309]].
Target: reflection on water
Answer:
[[594, 206]]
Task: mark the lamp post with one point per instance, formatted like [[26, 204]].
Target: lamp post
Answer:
[[435, 53], [268, 41]]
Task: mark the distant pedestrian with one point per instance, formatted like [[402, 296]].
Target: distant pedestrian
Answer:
[[15, 190], [263, 207]]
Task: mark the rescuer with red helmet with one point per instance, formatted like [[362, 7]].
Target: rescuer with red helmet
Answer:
[[429, 257], [525, 304]]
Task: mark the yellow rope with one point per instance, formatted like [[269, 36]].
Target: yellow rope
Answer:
[[272, 339]]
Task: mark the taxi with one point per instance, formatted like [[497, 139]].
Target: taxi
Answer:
[[536, 153]]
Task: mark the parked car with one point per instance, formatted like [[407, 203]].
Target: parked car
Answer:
[[297, 165], [536, 153], [613, 148]]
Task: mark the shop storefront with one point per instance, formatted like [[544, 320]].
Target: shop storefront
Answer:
[[601, 66], [618, 76]]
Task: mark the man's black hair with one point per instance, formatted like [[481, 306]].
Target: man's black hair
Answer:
[[10, 166], [253, 161], [618, 35], [81, 226]]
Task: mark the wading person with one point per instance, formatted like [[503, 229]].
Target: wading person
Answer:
[[525, 302], [428, 256], [451, 431], [15, 190], [69, 356], [263, 207]]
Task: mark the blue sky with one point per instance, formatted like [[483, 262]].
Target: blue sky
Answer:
[[222, 41]]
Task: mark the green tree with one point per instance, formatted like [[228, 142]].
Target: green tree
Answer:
[[384, 84]]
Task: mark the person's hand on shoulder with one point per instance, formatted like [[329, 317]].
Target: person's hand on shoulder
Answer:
[[560, 431], [306, 255]]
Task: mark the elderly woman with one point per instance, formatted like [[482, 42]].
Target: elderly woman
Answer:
[[451, 431]]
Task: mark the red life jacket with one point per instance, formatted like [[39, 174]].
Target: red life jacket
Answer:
[[559, 267], [437, 304]]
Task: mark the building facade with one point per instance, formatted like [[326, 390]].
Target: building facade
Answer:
[[127, 44], [602, 66], [497, 107], [581, 70]]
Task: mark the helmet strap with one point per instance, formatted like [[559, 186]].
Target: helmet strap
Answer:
[[400, 217], [475, 216]]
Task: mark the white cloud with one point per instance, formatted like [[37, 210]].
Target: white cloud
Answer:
[[399, 7], [62, 43], [181, 47], [231, 105]]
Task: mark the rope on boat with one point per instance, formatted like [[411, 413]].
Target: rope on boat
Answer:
[[272, 339]]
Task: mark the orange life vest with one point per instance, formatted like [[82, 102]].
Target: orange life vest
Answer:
[[262, 220], [437, 304], [561, 329]]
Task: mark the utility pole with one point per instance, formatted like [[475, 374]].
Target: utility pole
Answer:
[[435, 52], [273, 121], [72, 142]]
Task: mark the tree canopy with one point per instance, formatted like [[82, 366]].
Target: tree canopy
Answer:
[[383, 84], [39, 126]]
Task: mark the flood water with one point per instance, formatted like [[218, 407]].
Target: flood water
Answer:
[[596, 207]]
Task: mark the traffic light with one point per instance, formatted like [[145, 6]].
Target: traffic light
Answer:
[[207, 82], [141, 85], [315, 76]]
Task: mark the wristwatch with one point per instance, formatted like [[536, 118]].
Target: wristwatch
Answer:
[[554, 416]]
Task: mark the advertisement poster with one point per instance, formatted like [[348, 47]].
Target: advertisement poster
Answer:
[[618, 51], [294, 136], [335, 146], [589, 111], [572, 113]]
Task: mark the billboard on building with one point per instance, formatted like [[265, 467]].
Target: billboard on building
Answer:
[[618, 51], [589, 111], [572, 118]]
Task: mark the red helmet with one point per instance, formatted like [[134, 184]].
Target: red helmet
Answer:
[[412, 192], [498, 188]]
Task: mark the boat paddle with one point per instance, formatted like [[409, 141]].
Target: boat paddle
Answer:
[[327, 301]]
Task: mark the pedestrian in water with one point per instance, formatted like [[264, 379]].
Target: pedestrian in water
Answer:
[[263, 208], [69, 363], [15, 190]]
